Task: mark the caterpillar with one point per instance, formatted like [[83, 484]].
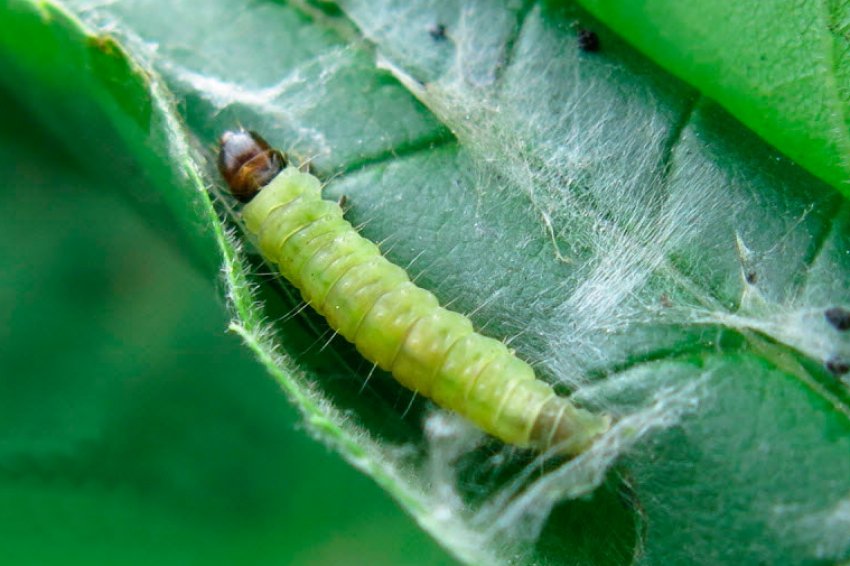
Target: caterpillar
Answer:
[[393, 323]]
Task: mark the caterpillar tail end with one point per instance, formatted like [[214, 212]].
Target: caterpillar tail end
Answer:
[[566, 429]]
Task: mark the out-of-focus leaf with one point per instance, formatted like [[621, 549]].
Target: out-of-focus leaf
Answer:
[[133, 430]]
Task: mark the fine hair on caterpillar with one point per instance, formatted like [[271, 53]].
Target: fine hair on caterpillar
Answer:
[[394, 324]]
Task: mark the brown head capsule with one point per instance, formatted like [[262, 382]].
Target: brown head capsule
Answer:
[[247, 163]]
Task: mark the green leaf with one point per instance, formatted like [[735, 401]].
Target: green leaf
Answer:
[[781, 67], [133, 430], [634, 242]]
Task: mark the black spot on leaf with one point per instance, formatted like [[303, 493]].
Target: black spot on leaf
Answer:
[[438, 32], [588, 41], [838, 317]]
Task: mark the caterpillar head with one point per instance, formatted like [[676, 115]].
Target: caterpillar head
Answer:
[[247, 162]]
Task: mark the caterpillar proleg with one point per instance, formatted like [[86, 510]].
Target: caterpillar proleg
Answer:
[[392, 322]]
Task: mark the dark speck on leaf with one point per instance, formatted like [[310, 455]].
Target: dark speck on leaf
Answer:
[[588, 41], [837, 366], [838, 317], [438, 32], [752, 277]]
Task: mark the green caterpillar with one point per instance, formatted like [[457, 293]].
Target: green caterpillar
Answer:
[[392, 322]]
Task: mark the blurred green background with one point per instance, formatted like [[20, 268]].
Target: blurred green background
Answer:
[[133, 429]]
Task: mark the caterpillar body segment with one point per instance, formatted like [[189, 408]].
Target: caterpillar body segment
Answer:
[[399, 326]]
